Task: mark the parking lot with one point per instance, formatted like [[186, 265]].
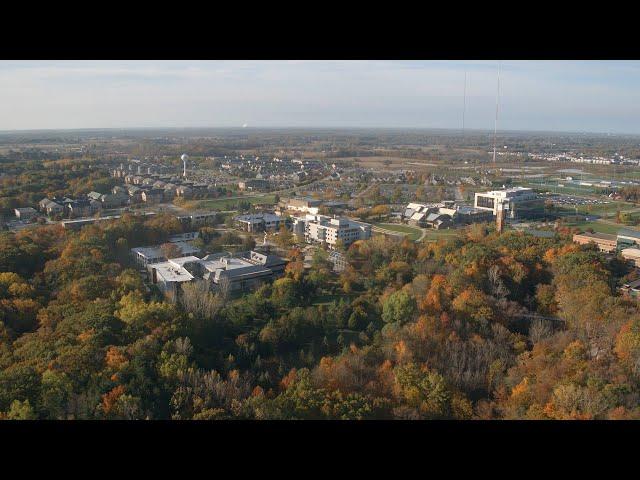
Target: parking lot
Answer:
[[573, 200]]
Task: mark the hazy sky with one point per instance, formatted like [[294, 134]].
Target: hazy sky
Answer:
[[596, 96]]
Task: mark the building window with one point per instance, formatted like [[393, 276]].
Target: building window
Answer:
[[486, 202]]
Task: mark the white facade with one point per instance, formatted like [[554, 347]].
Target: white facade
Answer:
[[507, 199], [322, 228]]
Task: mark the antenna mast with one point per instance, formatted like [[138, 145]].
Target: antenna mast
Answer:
[[464, 100], [495, 125]]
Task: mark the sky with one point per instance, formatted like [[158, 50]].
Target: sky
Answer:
[[572, 96]]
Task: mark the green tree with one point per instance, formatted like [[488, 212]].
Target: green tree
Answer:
[[400, 307], [21, 411]]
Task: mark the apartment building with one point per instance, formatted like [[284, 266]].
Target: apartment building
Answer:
[[324, 229], [259, 222]]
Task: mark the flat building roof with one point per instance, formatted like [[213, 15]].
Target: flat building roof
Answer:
[[598, 236]]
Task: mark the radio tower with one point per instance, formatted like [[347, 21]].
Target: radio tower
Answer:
[[495, 125], [464, 100]]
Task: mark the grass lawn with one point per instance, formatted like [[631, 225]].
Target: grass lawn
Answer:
[[227, 203], [411, 232], [598, 227], [435, 235], [567, 189], [602, 227], [607, 210]]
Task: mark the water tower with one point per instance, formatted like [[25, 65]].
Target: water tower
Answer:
[[184, 158]]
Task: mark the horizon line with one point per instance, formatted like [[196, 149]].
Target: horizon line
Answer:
[[240, 127]]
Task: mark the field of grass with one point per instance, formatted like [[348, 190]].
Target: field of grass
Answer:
[[597, 227], [602, 227], [227, 203], [567, 189], [435, 235], [411, 232], [607, 210]]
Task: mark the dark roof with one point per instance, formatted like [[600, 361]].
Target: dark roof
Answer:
[[629, 233]]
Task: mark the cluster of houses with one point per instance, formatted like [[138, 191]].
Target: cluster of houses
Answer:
[[433, 179], [86, 206], [254, 184], [151, 183], [365, 175], [616, 159], [272, 169], [70, 207], [157, 188], [136, 167]]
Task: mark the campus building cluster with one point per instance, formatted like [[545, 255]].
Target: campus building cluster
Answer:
[[443, 215], [628, 246], [145, 256], [235, 273], [626, 243]]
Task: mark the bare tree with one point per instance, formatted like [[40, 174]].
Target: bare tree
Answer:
[[170, 250], [539, 330], [199, 300], [224, 290], [498, 287]]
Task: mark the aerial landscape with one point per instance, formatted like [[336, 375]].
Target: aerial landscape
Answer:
[[373, 266]]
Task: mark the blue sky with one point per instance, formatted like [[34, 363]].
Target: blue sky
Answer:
[[595, 96]]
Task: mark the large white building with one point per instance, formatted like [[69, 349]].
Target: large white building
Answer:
[[325, 229], [241, 272], [516, 201], [259, 222], [144, 256], [302, 205]]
